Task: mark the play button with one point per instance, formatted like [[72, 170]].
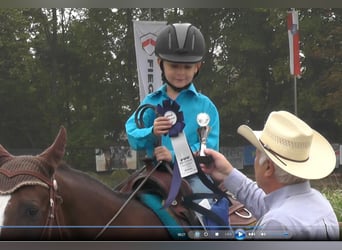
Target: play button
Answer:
[[240, 234]]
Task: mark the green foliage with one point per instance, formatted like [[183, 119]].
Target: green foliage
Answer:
[[76, 67], [331, 188], [334, 196], [111, 179]]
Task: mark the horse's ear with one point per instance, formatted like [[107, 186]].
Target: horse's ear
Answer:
[[55, 153], [4, 155]]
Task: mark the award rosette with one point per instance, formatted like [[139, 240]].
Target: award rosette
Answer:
[[172, 111], [185, 164]]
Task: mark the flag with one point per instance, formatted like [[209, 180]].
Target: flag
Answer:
[[293, 32], [149, 73]]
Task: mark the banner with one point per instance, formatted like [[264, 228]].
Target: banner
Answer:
[[149, 73], [293, 33]]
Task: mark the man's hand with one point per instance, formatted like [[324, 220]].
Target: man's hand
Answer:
[[220, 168]]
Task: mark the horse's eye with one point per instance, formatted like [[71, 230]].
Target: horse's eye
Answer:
[[32, 211]]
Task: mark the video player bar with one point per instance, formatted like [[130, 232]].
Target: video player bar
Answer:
[[238, 234]]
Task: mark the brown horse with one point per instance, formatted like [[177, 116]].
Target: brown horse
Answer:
[[42, 198]]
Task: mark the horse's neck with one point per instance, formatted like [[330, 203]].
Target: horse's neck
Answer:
[[83, 193], [88, 202]]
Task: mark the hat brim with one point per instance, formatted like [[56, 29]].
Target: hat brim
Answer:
[[180, 58], [321, 162]]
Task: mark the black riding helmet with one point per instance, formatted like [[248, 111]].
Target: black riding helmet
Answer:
[[180, 43]]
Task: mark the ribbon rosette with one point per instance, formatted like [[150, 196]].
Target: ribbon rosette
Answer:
[[171, 109]]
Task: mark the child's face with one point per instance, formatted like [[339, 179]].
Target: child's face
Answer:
[[180, 74]]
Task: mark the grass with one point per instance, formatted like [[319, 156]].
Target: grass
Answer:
[[331, 187]]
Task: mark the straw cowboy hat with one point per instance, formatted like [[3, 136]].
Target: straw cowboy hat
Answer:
[[292, 145]]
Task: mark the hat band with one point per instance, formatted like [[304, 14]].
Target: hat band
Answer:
[[265, 146]]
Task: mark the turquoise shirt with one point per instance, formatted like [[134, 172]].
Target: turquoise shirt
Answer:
[[191, 104]]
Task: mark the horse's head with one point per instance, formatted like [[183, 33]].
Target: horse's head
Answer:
[[27, 190]]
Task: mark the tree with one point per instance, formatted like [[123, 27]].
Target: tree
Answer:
[[76, 67], [19, 114]]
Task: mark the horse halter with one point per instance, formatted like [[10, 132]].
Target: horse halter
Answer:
[[52, 217]]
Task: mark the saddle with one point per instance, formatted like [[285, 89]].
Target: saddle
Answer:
[[160, 182]]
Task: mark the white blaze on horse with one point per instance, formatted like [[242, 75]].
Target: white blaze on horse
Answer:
[[3, 204]]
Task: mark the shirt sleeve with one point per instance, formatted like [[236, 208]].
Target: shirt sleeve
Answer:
[[247, 192], [141, 138]]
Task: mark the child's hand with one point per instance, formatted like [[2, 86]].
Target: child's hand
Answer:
[[161, 125], [162, 154]]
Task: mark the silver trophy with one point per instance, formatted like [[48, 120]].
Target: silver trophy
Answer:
[[203, 120]]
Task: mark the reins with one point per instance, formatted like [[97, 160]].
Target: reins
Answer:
[[140, 124], [128, 200]]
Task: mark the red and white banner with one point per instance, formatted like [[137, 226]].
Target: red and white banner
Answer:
[[293, 32], [149, 73]]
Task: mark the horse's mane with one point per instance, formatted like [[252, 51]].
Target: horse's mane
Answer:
[[67, 171]]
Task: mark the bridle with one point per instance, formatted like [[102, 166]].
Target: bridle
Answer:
[[53, 218]]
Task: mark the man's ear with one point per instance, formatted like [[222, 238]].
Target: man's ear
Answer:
[[269, 168]]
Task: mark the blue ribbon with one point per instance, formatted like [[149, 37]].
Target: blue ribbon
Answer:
[[175, 186], [177, 128], [169, 105]]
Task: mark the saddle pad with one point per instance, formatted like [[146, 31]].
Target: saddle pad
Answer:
[[154, 202]]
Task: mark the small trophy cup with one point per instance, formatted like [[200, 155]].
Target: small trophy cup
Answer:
[[203, 120]]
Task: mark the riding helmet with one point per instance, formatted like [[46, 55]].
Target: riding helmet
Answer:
[[180, 43]]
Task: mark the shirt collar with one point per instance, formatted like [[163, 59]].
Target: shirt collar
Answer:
[[162, 90]]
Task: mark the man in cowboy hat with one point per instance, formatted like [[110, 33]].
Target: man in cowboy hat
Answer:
[[288, 154]]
